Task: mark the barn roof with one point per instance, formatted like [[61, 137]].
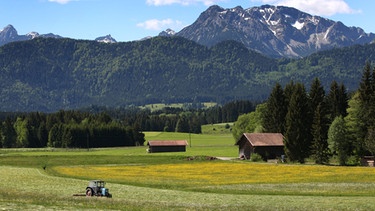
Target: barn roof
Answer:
[[264, 139], [168, 143]]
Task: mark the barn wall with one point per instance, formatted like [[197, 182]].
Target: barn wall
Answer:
[[167, 149], [270, 152], [245, 149]]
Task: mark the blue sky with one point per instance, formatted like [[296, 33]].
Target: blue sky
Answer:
[[128, 20]]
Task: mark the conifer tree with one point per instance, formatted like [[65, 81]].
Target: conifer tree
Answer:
[[319, 130], [288, 92], [337, 99], [366, 109], [8, 134], [317, 94], [276, 109], [343, 100], [298, 124]]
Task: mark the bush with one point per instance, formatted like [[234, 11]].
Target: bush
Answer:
[[254, 157]]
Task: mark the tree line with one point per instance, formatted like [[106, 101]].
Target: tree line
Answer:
[[67, 129], [105, 127], [316, 124], [189, 118]]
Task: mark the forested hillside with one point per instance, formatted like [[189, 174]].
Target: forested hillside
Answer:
[[52, 74]]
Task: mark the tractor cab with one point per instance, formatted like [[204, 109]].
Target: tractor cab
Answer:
[[97, 188]]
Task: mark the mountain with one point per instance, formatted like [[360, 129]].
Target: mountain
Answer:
[[45, 74], [106, 39], [9, 34], [276, 31], [167, 33], [52, 74]]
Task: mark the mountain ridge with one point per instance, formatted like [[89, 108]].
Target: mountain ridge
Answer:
[[46, 74], [9, 34], [276, 31]]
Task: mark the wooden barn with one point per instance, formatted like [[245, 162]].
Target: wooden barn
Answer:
[[268, 145], [167, 146]]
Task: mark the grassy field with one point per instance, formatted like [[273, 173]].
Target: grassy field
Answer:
[[160, 106], [46, 179]]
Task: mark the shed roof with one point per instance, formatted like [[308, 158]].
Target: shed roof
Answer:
[[168, 143], [264, 139]]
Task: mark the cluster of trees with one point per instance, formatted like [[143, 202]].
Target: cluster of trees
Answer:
[[66, 129], [104, 127], [189, 118], [318, 125]]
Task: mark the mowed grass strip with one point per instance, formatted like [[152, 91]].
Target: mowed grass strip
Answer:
[[234, 177], [193, 139]]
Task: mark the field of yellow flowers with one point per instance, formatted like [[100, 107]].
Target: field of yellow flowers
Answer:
[[46, 179], [235, 176]]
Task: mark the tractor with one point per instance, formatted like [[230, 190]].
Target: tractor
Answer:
[[96, 188]]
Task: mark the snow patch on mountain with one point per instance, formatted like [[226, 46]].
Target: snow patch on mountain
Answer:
[[276, 31], [298, 25]]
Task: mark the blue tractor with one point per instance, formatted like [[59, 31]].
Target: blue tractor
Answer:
[[97, 188]]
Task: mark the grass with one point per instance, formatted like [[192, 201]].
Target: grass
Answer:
[[160, 106], [222, 128], [203, 140], [170, 181], [49, 192]]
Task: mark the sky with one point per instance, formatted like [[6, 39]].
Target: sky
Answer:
[[129, 20]]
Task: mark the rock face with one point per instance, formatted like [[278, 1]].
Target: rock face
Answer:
[[275, 31], [167, 33], [106, 39]]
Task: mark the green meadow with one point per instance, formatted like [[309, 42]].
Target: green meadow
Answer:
[[46, 179]]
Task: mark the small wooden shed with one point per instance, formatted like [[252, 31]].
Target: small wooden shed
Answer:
[[268, 145], [167, 146]]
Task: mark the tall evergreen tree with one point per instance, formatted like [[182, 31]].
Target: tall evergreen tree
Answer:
[[288, 92], [319, 132], [337, 100], [366, 109], [276, 109], [366, 84], [317, 94], [8, 134], [298, 124]]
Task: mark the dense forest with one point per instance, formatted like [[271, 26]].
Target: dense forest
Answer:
[[317, 124], [47, 75], [103, 127], [68, 129]]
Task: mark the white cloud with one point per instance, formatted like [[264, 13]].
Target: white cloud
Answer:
[[158, 25], [182, 2], [61, 1], [315, 7]]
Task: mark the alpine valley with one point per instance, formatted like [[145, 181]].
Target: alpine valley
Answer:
[[226, 54]]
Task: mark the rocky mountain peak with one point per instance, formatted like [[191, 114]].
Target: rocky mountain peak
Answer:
[[276, 31], [8, 32], [167, 33], [106, 39]]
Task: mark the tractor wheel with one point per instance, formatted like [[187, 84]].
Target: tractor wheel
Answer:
[[89, 192]]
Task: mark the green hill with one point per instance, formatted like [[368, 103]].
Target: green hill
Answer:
[[52, 74]]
